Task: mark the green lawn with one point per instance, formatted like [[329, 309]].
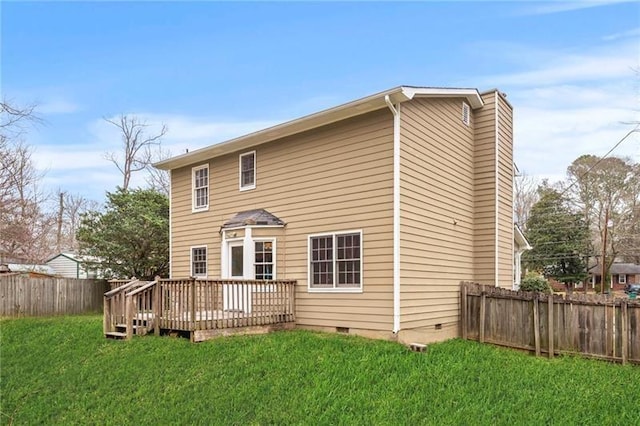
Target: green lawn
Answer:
[[62, 371]]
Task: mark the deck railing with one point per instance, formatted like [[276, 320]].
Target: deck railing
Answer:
[[211, 304], [191, 305]]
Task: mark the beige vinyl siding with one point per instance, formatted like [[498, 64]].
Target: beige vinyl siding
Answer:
[[332, 179], [436, 210], [505, 193], [65, 267], [484, 201]]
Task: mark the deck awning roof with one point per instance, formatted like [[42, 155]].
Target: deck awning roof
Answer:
[[257, 217]]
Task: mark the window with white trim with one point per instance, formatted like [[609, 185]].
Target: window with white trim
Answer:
[[200, 185], [247, 171], [335, 261], [466, 113], [199, 262], [264, 260], [622, 279]]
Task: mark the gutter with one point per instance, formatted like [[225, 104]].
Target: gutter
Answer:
[[396, 213]]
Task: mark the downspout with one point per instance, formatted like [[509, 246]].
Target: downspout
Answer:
[[396, 213], [497, 164], [171, 229]]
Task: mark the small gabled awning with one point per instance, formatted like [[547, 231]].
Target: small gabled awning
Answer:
[[257, 217]]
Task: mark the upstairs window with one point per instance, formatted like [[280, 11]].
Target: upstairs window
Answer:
[[200, 185], [247, 171], [335, 261]]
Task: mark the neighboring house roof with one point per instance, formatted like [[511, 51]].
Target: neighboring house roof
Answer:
[[618, 268], [253, 217], [520, 239], [25, 268], [341, 112], [75, 257]]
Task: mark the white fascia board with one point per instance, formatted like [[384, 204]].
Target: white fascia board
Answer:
[[308, 122], [322, 118], [471, 95], [521, 239]]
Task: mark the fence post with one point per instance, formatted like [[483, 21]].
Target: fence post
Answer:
[[483, 299], [550, 324], [463, 309], [625, 334], [536, 324]]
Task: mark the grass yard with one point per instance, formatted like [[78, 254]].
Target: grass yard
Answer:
[[62, 371]]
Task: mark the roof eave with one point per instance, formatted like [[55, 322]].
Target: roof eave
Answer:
[[318, 119]]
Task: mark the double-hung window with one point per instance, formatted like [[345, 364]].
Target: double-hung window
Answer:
[[199, 262], [263, 265], [335, 261], [622, 279], [247, 171], [200, 185]]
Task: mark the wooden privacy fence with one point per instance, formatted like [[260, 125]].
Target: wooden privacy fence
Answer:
[[592, 325], [25, 296]]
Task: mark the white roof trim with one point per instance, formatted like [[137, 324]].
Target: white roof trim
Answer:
[[521, 240], [318, 119]]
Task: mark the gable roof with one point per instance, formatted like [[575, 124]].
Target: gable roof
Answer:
[[321, 118], [520, 239], [259, 217]]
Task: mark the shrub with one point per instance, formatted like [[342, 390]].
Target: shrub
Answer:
[[535, 282]]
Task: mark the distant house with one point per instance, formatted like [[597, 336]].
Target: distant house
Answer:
[[70, 265], [621, 275], [31, 270]]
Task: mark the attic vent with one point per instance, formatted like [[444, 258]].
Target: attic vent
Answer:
[[466, 113]]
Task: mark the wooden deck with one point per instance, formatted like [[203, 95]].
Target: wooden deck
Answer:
[[194, 306]]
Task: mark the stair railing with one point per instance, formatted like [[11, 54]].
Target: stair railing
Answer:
[[142, 309], [114, 305]]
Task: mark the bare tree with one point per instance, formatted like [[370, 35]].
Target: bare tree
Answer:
[[25, 228], [525, 195], [70, 209], [136, 144], [13, 120], [159, 180]]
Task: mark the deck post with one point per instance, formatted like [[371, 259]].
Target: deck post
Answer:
[[156, 307], [129, 316], [192, 325], [463, 310], [106, 311]]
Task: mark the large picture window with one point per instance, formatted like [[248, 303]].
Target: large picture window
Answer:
[[248, 171], [200, 184], [335, 261], [199, 262]]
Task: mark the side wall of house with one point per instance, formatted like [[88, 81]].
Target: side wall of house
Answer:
[[484, 200], [332, 179], [493, 191], [505, 193], [437, 213]]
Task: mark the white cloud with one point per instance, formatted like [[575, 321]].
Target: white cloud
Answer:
[[549, 7], [57, 106], [635, 32]]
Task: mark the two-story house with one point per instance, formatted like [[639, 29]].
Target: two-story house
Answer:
[[379, 208]]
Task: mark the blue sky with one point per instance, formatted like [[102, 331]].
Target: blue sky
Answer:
[[212, 71]]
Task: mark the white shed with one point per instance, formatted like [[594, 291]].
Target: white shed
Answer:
[[70, 265]]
